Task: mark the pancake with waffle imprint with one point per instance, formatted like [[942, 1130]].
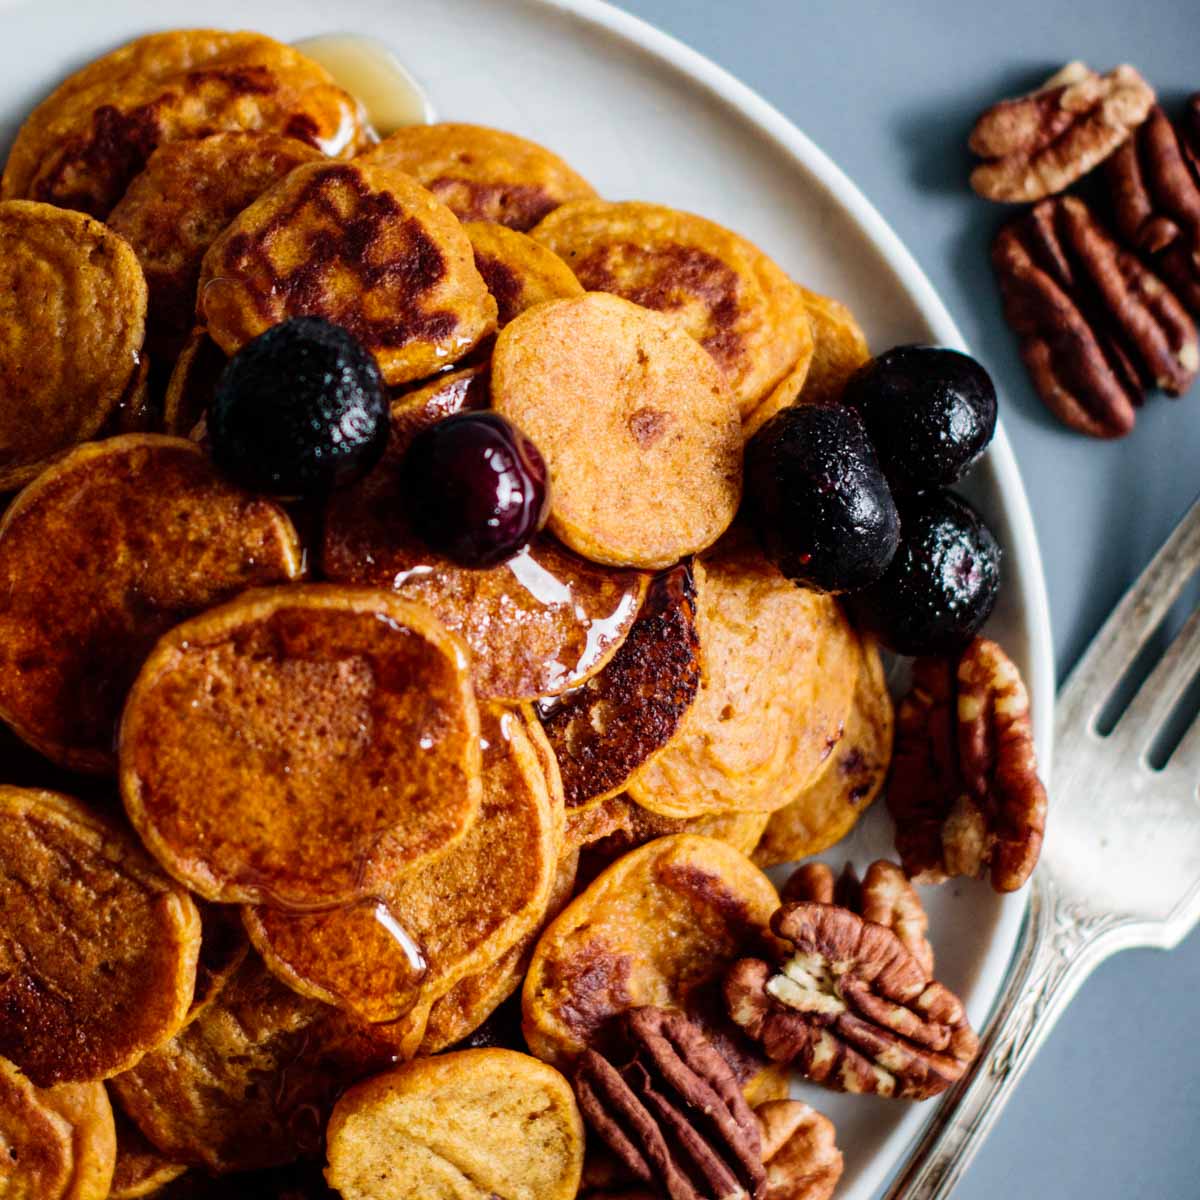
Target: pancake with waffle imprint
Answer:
[[186, 194], [301, 746], [733, 299], [141, 1169], [83, 144], [518, 271], [145, 532], [537, 625], [482, 174], [362, 246], [98, 947], [56, 1143], [72, 322], [423, 931], [780, 664], [641, 440], [472, 1123], [660, 926], [849, 783]]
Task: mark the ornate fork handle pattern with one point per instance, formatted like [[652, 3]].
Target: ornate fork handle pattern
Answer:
[[1061, 943]]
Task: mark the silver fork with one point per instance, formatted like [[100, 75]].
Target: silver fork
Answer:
[[1121, 862]]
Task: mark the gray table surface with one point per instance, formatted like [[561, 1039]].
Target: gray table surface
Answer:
[[1111, 1108]]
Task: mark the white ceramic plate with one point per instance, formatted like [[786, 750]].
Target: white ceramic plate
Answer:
[[644, 117]]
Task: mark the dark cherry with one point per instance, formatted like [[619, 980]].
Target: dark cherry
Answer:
[[818, 501], [299, 410], [942, 584], [475, 488], [931, 413]]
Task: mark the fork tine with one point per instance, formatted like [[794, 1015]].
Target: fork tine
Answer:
[[1160, 692], [1133, 621], [1185, 758]]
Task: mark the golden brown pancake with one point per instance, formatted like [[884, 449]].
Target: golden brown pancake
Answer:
[[727, 293], [301, 746], [223, 948], [537, 625], [185, 196], [362, 246], [56, 1143], [482, 174], [145, 532], [840, 348], [97, 947], [193, 383], [84, 143], [72, 319], [641, 440], [249, 1083], [425, 930], [783, 395], [655, 927], [141, 1169], [780, 668], [474, 1123], [619, 719], [518, 271], [852, 777]]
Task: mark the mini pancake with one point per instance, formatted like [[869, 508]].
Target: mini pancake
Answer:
[[223, 948], [301, 746], [57, 1143], [97, 947], [783, 395], [185, 196], [362, 246], [780, 669], [249, 1082], [424, 931], [849, 783], [482, 174], [193, 383], [518, 271], [84, 143], [472, 1123], [652, 929], [471, 1001], [72, 320], [145, 532], [141, 1169], [740, 306], [619, 719], [537, 625], [840, 349], [641, 440]]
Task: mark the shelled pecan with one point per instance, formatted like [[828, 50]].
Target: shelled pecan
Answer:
[[1037, 145], [1156, 204], [851, 1008], [799, 1150], [669, 1107], [1097, 327]]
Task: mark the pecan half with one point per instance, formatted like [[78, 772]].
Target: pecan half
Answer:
[[799, 1150], [1096, 325], [851, 1008], [964, 792], [1039, 144], [1156, 204], [668, 1106], [884, 895]]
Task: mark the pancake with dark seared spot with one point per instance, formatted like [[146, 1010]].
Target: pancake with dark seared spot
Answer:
[[740, 306], [72, 320], [84, 143], [193, 383], [425, 930], [536, 626], [362, 246], [98, 947], [483, 174], [606, 729], [141, 1168], [518, 271], [145, 532], [301, 746], [185, 196]]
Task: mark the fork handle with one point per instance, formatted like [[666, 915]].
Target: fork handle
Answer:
[[1060, 944]]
